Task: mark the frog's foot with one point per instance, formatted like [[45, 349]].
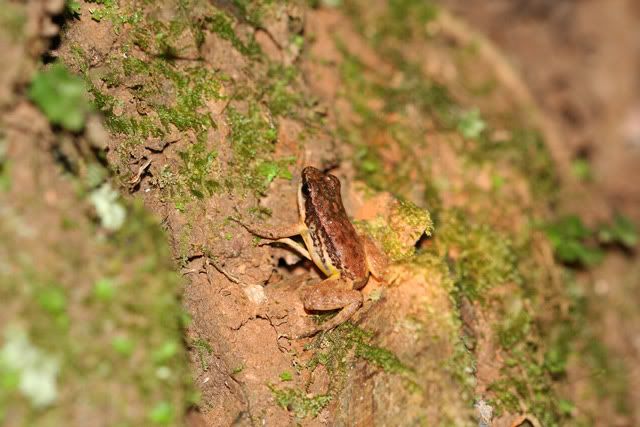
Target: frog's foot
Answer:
[[329, 295]]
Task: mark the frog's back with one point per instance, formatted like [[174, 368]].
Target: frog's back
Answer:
[[328, 222]]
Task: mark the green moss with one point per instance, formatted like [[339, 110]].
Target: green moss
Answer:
[[471, 124], [461, 363], [560, 346], [405, 19], [336, 348], [514, 327], [526, 151], [581, 169], [480, 257], [223, 25], [61, 96], [620, 231], [504, 398], [72, 9], [527, 372], [462, 367], [414, 216], [175, 95], [283, 97], [610, 375], [524, 382], [204, 349], [576, 338], [416, 89], [252, 133], [194, 86], [109, 10], [195, 171], [380, 357], [570, 239], [253, 11], [358, 89], [53, 299], [399, 233], [104, 289], [300, 403], [132, 66], [268, 170], [162, 414], [253, 136], [286, 376], [123, 346], [575, 244], [411, 89]]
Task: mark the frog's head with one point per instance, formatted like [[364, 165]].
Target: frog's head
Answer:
[[318, 189]]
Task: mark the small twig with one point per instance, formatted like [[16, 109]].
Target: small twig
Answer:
[[138, 176], [232, 278]]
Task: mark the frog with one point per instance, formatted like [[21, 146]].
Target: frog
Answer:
[[346, 257]]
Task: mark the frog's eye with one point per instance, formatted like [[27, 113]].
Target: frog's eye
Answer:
[[305, 189]]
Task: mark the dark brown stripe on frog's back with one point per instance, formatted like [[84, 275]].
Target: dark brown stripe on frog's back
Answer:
[[319, 236]]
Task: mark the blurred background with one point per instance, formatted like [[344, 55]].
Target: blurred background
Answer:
[[581, 59]]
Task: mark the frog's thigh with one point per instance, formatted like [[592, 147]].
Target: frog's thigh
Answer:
[[331, 295]]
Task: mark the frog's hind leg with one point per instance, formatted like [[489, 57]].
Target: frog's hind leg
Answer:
[[272, 232], [377, 261], [331, 295]]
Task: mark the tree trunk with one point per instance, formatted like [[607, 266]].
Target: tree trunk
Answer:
[[212, 110]]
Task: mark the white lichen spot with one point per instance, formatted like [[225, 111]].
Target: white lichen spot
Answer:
[[376, 294], [255, 293], [111, 213], [332, 3], [163, 373], [471, 124], [37, 370], [484, 412]]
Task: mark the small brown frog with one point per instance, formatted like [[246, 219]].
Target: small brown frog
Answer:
[[333, 244]]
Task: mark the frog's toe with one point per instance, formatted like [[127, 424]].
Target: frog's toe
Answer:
[[307, 334]]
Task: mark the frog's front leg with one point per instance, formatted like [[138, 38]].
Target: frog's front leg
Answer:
[[272, 232], [279, 234], [331, 294]]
